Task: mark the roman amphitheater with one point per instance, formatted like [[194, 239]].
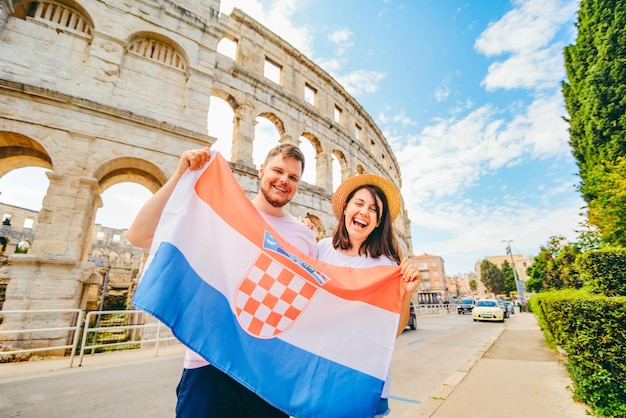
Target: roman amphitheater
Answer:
[[101, 92]]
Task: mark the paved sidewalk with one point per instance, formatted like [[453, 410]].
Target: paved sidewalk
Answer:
[[44, 367], [517, 377]]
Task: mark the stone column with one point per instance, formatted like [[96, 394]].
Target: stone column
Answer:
[[65, 222], [324, 173], [197, 100], [288, 139], [6, 9], [243, 135], [52, 274]]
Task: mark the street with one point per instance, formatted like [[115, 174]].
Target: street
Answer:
[[424, 360]]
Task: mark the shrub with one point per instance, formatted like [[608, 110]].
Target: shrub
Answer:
[[592, 331], [604, 271]]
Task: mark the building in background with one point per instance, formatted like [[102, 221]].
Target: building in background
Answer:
[[434, 288], [520, 263], [110, 251]]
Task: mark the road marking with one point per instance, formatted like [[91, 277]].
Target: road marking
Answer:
[[423, 340], [415, 401], [453, 345], [417, 341]]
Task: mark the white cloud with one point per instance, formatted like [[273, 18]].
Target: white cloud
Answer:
[[543, 128], [526, 33], [442, 92], [531, 25], [341, 38], [361, 81], [453, 154], [331, 65], [538, 69]]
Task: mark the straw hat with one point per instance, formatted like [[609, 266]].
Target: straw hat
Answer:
[[391, 193]]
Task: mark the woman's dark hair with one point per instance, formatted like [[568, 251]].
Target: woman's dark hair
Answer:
[[382, 240]]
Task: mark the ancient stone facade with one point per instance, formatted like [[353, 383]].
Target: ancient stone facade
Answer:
[[106, 91]]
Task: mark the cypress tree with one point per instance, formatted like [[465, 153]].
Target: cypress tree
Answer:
[[595, 89]]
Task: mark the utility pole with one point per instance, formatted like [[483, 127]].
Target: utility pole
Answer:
[[519, 284]]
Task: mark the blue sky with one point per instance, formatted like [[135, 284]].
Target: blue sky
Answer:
[[467, 93]]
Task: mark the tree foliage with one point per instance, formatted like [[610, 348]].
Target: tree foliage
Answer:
[[595, 90], [509, 277], [492, 277], [554, 268], [605, 190]]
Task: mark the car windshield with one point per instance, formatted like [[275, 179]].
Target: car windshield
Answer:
[[467, 301], [485, 303]]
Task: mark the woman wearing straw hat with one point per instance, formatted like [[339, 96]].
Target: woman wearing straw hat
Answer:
[[365, 207]]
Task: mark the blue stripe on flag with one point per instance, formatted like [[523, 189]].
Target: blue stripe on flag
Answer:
[[294, 380]]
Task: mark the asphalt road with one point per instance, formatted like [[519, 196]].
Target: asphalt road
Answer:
[[441, 348]]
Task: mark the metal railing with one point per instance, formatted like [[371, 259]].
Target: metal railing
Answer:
[[438, 309], [106, 327], [74, 327], [98, 330]]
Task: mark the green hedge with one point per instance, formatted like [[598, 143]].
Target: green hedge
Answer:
[[604, 271], [592, 331]]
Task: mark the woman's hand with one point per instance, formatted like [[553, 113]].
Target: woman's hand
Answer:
[[409, 272]]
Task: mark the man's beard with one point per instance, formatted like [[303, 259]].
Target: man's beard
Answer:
[[274, 202]]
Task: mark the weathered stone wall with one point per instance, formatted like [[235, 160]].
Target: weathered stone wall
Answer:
[[106, 91]]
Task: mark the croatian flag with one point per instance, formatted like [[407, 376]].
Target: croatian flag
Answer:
[[312, 339]]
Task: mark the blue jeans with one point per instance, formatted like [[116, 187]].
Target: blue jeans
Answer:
[[206, 392], [382, 409]]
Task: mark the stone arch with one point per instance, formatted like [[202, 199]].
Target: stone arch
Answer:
[[4, 242], [158, 48], [228, 138], [314, 163], [276, 121], [62, 15], [17, 150], [133, 170], [23, 246], [314, 140], [343, 162], [262, 144], [228, 97], [113, 257]]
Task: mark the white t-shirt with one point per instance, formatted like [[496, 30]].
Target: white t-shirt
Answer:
[[291, 230], [330, 255]]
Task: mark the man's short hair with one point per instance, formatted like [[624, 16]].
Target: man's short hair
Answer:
[[286, 150]]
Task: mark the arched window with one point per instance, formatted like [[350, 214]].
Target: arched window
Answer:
[[158, 51], [55, 15]]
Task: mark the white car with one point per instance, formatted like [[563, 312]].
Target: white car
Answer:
[[487, 310]]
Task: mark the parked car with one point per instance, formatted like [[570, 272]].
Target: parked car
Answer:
[[488, 310], [504, 307], [412, 318], [465, 306], [510, 307]]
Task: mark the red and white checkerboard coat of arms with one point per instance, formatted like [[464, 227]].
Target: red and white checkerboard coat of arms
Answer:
[[271, 296]]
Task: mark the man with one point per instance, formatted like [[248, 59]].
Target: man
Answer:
[[203, 390]]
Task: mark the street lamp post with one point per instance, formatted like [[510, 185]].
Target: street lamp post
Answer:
[[519, 284]]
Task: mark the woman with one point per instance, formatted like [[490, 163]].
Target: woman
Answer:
[[365, 207]]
